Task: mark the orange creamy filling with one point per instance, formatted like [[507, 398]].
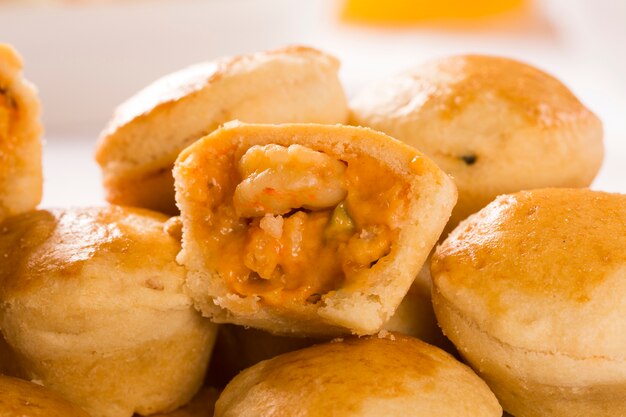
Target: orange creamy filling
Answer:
[[297, 223]]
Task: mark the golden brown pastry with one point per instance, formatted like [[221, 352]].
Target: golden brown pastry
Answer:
[[20, 138], [373, 376], [496, 125], [138, 148], [306, 229], [20, 398], [531, 290], [201, 405], [91, 302]]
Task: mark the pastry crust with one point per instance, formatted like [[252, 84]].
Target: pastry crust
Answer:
[[392, 187], [24, 399], [375, 376], [496, 125], [138, 148], [531, 291], [91, 303], [20, 138]]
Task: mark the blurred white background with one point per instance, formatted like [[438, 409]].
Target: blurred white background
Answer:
[[86, 58]]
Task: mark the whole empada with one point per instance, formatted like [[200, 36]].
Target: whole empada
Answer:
[[495, 124], [384, 375], [532, 291], [92, 306], [306, 229], [138, 148]]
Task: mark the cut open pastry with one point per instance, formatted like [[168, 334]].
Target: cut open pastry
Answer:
[[20, 138], [139, 146], [306, 229]]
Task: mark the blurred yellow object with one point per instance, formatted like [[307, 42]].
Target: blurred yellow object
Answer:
[[414, 11]]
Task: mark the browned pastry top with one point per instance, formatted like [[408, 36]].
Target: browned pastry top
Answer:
[[380, 374], [39, 247], [545, 243], [551, 261], [160, 95], [448, 85]]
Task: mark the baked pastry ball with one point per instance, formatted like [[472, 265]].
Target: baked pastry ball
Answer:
[[137, 150], [372, 376], [202, 405], [20, 398], [91, 303], [20, 138], [306, 229], [532, 291], [496, 125]]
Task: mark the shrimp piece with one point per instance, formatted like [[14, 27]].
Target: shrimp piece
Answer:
[[277, 179]]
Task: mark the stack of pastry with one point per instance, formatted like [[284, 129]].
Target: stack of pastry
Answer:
[[308, 240]]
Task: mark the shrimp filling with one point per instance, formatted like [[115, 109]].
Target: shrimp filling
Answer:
[[301, 223], [7, 114]]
